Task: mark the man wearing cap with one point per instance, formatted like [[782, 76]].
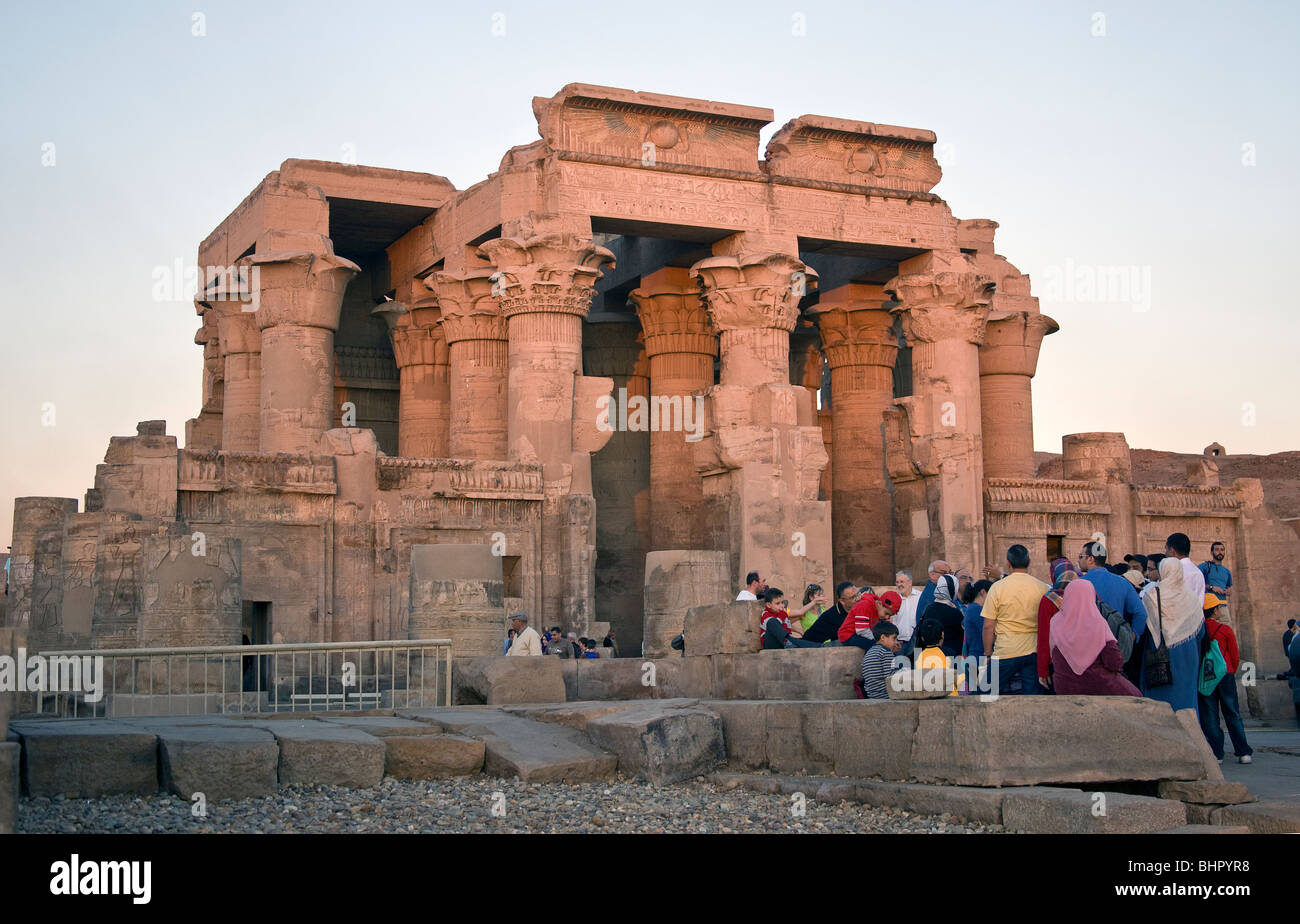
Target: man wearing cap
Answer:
[[1223, 696], [871, 609], [527, 641]]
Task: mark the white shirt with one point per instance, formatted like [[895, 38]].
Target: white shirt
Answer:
[[1193, 578], [745, 595], [905, 618], [527, 642]]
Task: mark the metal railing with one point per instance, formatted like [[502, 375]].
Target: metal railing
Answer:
[[248, 679]]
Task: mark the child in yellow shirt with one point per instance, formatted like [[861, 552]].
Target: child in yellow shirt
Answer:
[[929, 638]]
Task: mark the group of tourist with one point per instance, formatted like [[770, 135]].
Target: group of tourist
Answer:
[[523, 640], [1155, 626]]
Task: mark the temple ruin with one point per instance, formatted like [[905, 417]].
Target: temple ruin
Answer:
[[635, 362]]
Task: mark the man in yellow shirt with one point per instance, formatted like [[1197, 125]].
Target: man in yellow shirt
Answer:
[[1011, 625]]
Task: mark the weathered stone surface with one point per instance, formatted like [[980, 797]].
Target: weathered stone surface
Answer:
[[723, 628], [1272, 816], [800, 737], [677, 677], [744, 731], [515, 746], [1027, 740], [935, 683], [381, 726], [1187, 719], [1207, 829], [616, 678], [10, 776], [1199, 814], [791, 674], [662, 745], [1214, 792], [967, 803], [431, 756], [873, 738], [220, 761], [1063, 811], [322, 754], [498, 681], [87, 758], [675, 581], [457, 592]]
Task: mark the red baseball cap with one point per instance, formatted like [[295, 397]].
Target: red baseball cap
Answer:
[[892, 600]]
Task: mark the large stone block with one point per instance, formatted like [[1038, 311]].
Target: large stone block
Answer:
[[10, 774], [497, 681], [791, 674], [723, 628], [981, 806], [873, 738], [1208, 829], [677, 677], [1272, 816], [1069, 811], [660, 744], [611, 678], [744, 731], [222, 762], [800, 737], [87, 758], [1027, 740], [1192, 727], [431, 757], [1205, 792], [321, 754]]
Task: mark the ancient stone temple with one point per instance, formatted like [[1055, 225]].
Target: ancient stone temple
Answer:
[[637, 361]]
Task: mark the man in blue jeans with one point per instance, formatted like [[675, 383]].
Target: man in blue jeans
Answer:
[[1010, 616], [1224, 696]]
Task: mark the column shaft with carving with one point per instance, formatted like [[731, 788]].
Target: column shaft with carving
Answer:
[[860, 346], [1008, 359], [764, 454], [475, 332], [240, 345], [944, 306], [424, 398], [681, 345], [544, 285]]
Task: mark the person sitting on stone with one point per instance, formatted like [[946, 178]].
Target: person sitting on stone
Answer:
[[774, 629], [905, 619], [872, 608], [527, 642], [589, 648], [930, 641], [878, 662], [824, 630], [938, 568], [754, 587], [814, 604], [1085, 656]]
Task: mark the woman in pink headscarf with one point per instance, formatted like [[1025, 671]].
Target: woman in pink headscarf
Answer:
[[1085, 657]]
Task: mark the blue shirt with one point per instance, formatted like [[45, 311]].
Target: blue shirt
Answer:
[[1216, 575], [973, 626], [1120, 595]]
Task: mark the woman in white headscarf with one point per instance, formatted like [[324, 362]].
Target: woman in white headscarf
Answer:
[[1174, 615], [944, 609]]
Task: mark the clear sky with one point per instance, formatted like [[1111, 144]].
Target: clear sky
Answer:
[[1150, 146]]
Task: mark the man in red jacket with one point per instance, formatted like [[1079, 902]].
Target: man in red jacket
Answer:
[[1223, 696], [871, 609]]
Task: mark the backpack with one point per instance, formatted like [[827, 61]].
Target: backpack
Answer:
[[1125, 638], [1213, 668]]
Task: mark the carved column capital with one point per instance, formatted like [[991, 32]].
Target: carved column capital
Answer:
[[548, 273], [672, 314], [856, 327], [941, 296], [754, 290], [300, 287], [1012, 341], [466, 307]]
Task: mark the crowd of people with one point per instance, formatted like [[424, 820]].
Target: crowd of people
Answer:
[[1154, 625], [523, 640]]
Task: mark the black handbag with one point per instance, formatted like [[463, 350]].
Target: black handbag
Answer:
[[1157, 671]]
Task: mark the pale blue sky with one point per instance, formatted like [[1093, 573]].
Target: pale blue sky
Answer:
[[1121, 150]]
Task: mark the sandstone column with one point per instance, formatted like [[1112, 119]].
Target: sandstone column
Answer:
[[944, 305], [544, 285], [860, 346], [239, 344], [1008, 359], [764, 455], [424, 399], [301, 295], [681, 345], [475, 333]]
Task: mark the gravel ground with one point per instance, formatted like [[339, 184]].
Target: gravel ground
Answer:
[[466, 805]]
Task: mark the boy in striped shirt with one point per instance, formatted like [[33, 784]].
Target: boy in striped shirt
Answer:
[[878, 662]]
